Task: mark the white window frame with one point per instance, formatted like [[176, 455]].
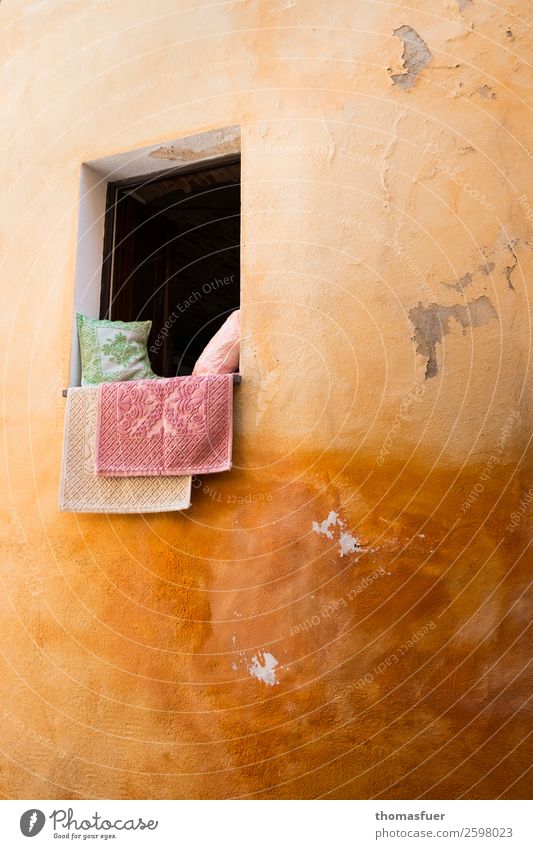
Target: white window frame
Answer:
[[94, 180]]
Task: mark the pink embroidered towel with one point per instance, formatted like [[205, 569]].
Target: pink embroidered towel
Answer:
[[171, 426]]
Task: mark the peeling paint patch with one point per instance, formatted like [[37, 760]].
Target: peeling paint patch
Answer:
[[416, 56], [431, 323], [462, 283], [324, 527], [486, 92], [186, 154], [510, 268], [264, 671], [347, 542], [508, 271]]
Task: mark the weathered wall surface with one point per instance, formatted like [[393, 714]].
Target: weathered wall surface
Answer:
[[387, 205]]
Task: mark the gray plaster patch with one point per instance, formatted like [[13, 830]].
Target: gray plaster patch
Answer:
[[431, 323], [416, 56], [462, 283], [486, 92]]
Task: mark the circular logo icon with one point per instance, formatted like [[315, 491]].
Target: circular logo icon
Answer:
[[32, 822]]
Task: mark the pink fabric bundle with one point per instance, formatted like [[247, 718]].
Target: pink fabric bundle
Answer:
[[172, 426], [221, 354]]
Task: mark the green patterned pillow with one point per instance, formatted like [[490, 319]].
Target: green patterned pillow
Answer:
[[113, 350]]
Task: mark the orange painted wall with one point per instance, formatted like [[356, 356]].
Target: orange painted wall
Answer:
[[386, 226]]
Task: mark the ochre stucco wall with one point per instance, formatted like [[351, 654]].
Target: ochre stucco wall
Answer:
[[386, 231]]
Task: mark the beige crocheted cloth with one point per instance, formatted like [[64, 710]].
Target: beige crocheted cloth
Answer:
[[83, 492]]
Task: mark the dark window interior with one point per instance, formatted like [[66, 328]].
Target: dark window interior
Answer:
[[172, 255]]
